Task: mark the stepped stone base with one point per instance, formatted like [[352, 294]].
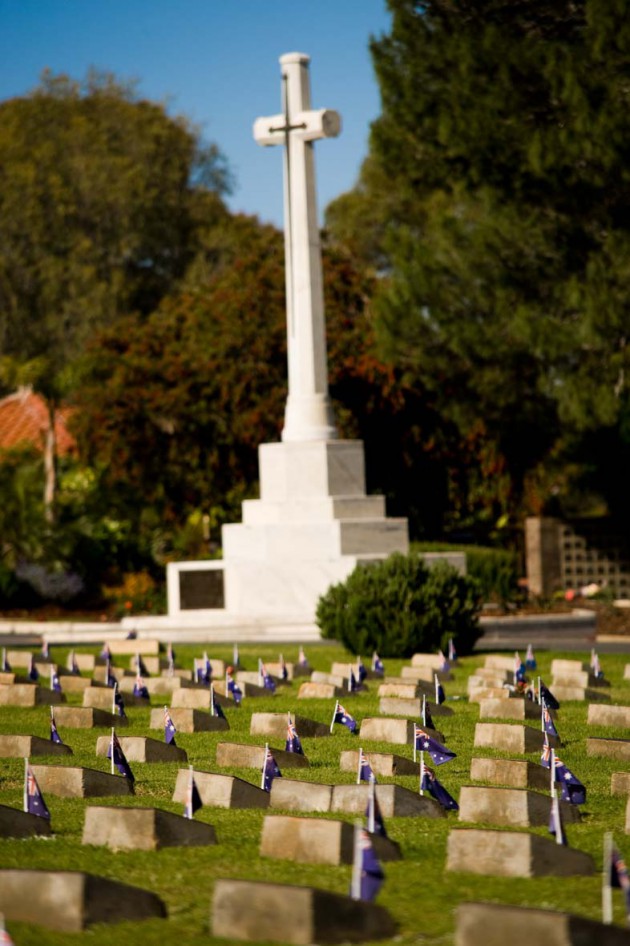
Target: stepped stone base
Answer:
[[317, 841], [513, 854], [488, 924], [71, 901], [254, 912], [514, 807], [221, 791], [21, 824], [143, 829], [22, 747]]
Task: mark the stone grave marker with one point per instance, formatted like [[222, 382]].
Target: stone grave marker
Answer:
[[249, 689], [85, 717], [479, 693], [21, 824], [71, 900], [329, 679], [153, 665], [608, 748], [626, 672], [103, 698], [189, 720], [491, 924], [394, 706], [7, 678], [406, 691], [143, 829], [559, 667], [146, 648], [243, 756], [620, 783], [74, 781], [222, 791], [29, 694], [198, 699], [582, 679], [397, 731], [512, 773], [317, 841], [394, 801], [22, 659], [343, 670], [491, 673], [434, 661], [498, 662], [85, 662], [426, 674], [293, 669], [514, 807], [252, 678], [275, 725], [475, 682], [321, 691], [118, 673], [511, 737], [567, 694], [381, 763], [511, 709], [76, 684], [513, 854], [601, 714], [143, 749], [627, 825], [296, 795], [23, 747], [254, 911], [165, 686]]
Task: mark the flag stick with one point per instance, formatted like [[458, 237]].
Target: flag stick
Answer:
[[114, 700], [52, 674], [355, 885], [112, 751], [539, 694], [372, 804], [261, 679], [424, 709], [421, 772], [556, 814], [437, 694], [189, 795], [212, 699], [542, 715], [349, 678], [553, 772], [235, 656], [359, 767], [415, 740], [262, 777], [25, 784], [334, 714], [607, 909]]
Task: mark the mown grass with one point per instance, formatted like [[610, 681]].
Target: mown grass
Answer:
[[418, 891]]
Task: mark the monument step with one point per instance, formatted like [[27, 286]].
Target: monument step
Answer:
[[287, 543], [258, 512]]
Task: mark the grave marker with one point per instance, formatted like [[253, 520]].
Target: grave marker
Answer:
[[515, 807], [275, 725], [511, 709], [511, 737], [382, 763], [489, 924], [21, 824], [189, 720], [397, 731], [512, 773], [600, 714], [608, 748], [85, 717], [513, 854], [394, 801], [321, 691], [221, 791], [143, 829], [243, 756], [296, 795], [317, 841], [143, 749], [29, 694], [73, 781], [23, 747], [395, 706]]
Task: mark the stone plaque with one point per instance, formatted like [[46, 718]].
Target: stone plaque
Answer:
[[200, 590]]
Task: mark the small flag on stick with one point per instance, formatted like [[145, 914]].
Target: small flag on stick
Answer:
[[34, 802], [193, 798]]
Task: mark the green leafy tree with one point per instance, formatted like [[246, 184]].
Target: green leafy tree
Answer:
[[98, 217], [494, 203]]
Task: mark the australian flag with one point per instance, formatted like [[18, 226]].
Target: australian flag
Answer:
[[55, 682], [439, 753], [445, 665], [555, 822], [204, 671], [519, 669], [139, 688], [293, 743], [372, 875], [284, 673], [169, 728], [141, 666], [377, 665], [545, 758], [54, 735], [170, 654], [215, 708], [193, 798], [45, 650], [106, 653], [546, 695], [440, 695], [116, 753], [361, 671], [74, 667], [341, 716], [267, 679], [619, 876], [119, 703], [452, 653], [427, 719], [375, 822], [270, 770], [365, 769], [233, 688], [110, 679], [530, 660], [431, 785], [6, 666], [548, 724], [354, 685], [35, 804], [572, 789], [302, 659], [33, 672]]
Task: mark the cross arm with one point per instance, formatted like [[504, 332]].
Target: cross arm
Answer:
[[308, 126]]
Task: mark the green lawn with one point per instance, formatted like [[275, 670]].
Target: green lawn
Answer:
[[417, 891]]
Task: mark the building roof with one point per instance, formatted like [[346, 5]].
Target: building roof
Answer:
[[24, 420]]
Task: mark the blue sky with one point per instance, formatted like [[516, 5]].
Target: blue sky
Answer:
[[215, 61]]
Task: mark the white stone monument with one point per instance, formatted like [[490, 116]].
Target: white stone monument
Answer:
[[313, 522]]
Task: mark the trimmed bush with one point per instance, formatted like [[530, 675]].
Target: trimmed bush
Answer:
[[401, 606], [496, 570]]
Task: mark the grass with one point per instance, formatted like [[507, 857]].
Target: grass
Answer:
[[418, 891]]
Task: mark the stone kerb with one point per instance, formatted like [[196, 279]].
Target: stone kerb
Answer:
[[510, 709], [70, 781], [396, 731], [382, 763], [394, 706], [21, 824], [241, 756], [608, 748], [221, 791], [143, 829], [512, 807], [294, 795], [317, 841], [600, 714], [22, 747], [511, 773], [511, 737], [256, 911], [394, 801], [143, 749], [489, 924], [29, 694], [322, 691], [71, 901], [189, 720], [275, 725], [513, 854], [84, 717]]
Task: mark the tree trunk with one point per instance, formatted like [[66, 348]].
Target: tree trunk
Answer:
[[50, 465]]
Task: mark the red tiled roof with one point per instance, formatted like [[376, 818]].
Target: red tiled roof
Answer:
[[24, 420]]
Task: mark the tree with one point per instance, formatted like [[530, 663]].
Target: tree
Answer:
[[97, 218], [496, 195]]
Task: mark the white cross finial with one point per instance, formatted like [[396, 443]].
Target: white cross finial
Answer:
[[308, 414]]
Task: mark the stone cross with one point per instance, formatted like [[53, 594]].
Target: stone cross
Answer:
[[308, 413]]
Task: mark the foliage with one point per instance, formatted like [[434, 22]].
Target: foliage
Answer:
[[400, 606], [138, 593], [494, 203], [496, 571]]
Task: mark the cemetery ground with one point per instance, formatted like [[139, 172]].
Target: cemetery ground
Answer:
[[418, 892]]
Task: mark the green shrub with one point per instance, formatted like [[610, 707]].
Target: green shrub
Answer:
[[400, 606], [496, 570]]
